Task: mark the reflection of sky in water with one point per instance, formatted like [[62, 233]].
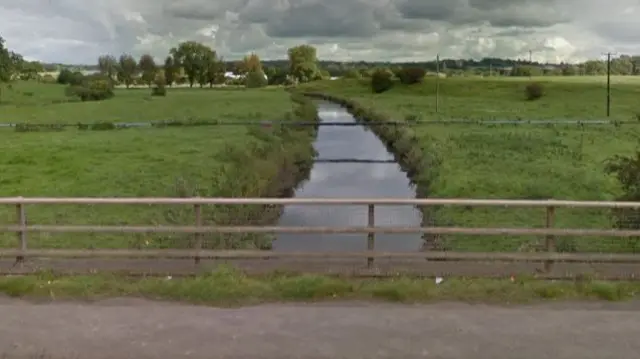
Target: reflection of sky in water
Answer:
[[350, 180]]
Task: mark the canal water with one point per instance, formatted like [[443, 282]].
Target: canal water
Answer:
[[350, 180]]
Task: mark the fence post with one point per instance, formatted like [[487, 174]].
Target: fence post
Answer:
[[22, 234], [550, 240], [371, 237], [197, 246]]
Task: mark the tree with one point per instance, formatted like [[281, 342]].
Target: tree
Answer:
[[189, 55], [215, 70], [169, 70], [255, 79], [303, 63], [108, 66], [6, 63], [251, 63], [148, 69], [127, 69]]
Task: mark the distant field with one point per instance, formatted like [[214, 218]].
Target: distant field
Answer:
[[514, 161], [150, 162], [46, 103], [600, 79], [497, 99]]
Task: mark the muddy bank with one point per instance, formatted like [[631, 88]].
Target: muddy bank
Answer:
[[416, 159]]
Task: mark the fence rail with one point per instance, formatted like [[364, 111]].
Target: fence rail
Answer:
[[22, 228]]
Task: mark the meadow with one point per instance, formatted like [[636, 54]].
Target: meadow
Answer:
[[511, 161], [174, 161]]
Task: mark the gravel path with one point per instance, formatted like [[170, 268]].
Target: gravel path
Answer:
[[128, 328]]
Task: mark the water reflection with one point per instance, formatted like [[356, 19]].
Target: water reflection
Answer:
[[354, 180]]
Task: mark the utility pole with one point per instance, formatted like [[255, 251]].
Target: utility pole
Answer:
[[608, 84], [530, 64], [437, 82]]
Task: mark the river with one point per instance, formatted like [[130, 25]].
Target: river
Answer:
[[350, 180]]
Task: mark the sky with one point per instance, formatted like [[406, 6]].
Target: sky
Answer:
[[78, 31]]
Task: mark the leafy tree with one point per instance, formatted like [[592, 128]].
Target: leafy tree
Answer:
[[148, 69], [251, 63], [189, 55], [215, 70], [169, 70], [127, 69], [303, 63], [108, 66]]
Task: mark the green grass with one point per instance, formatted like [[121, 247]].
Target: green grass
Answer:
[[495, 99], [31, 102], [513, 161], [228, 287], [225, 161]]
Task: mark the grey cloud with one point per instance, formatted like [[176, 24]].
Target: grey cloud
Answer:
[[342, 29]]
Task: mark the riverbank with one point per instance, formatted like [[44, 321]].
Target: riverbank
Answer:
[[181, 161], [511, 161]]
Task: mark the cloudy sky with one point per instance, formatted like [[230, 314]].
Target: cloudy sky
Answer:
[[77, 31]]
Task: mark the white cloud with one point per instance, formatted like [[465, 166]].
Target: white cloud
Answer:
[[555, 30]]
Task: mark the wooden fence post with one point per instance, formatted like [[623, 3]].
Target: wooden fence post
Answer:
[[22, 234], [550, 240], [197, 246], [371, 237]]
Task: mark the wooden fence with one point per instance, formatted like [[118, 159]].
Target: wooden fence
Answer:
[[549, 257]]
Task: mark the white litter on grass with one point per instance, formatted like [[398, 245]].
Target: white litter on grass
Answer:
[[439, 280]]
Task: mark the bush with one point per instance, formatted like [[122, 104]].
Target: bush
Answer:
[[93, 89], [353, 74], [411, 75], [255, 79], [160, 87], [67, 77], [534, 91], [381, 81]]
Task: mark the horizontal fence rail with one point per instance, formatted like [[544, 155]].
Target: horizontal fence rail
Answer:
[[22, 227], [267, 123]]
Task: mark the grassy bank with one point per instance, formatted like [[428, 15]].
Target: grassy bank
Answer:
[[216, 161], [502, 161], [226, 286]]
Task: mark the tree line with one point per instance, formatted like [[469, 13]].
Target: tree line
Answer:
[[194, 63]]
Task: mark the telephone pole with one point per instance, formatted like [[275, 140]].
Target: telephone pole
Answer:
[[437, 82], [608, 83], [530, 64]]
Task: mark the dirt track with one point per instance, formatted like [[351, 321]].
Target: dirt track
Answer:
[[125, 328], [330, 266]]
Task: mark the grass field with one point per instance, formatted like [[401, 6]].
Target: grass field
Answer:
[[155, 162], [514, 161], [32, 102]]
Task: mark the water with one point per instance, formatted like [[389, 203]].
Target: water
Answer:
[[350, 180]]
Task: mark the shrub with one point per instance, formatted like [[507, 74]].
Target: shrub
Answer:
[[381, 81], [255, 79], [160, 87], [411, 75], [67, 77], [92, 89], [353, 74], [534, 91]]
